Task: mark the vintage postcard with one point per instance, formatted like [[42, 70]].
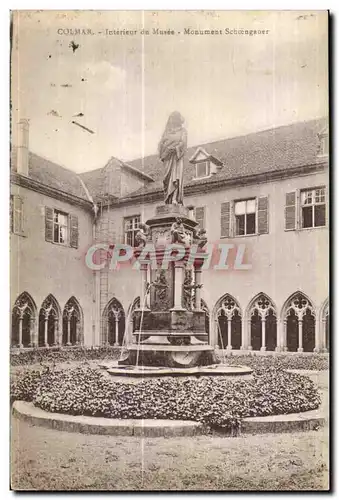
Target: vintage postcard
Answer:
[[169, 208]]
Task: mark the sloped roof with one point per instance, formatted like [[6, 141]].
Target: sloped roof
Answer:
[[263, 152], [281, 148], [52, 175]]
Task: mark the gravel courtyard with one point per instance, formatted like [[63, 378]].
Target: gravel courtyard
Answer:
[[44, 459]]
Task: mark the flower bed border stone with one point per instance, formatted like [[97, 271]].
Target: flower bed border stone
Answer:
[[309, 420]]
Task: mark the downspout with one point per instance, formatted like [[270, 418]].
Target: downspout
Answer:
[[96, 275]]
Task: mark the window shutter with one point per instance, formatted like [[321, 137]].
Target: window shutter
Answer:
[[49, 223], [225, 220], [200, 216], [290, 211], [17, 214], [74, 231], [263, 215]]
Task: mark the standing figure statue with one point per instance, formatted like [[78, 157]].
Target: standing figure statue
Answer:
[[172, 148]]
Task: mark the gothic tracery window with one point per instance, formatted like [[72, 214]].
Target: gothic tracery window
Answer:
[[263, 324], [23, 321], [49, 322], [229, 323], [72, 323], [113, 323], [300, 324]]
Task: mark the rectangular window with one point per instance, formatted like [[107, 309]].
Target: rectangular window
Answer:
[[245, 217], [17, 215], [131, 226], [202, 169], [60, 227], [313, 208], [199, 213]]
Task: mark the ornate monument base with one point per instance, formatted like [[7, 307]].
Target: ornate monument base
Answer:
[[169, 327]]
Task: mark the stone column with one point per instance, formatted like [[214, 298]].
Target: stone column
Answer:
[[300, 335], [281, 335], [229, 334], [197, 303], [77, 339], [245, 334], [68, 339], [178, 285], [323, 335], [116, 333], [319, 341], [56, 331], [21, 317], [263, 334], [46, 330], [32, 336], [215, 333]]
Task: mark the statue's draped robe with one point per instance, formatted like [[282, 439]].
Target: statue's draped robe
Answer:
[[172, 148]]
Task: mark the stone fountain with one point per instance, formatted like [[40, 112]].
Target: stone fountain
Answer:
[[169, 332]]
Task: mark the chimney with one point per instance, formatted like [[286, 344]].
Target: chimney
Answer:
[[22, 147]]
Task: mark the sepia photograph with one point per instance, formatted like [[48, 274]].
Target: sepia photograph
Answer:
[[169, 250]]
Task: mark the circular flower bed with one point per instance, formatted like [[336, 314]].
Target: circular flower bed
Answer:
[[218, 402]]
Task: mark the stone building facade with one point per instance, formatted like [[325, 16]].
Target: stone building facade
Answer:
[[264, 194]]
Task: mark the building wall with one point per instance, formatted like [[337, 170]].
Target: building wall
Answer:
[[40, 267], [283, 262]]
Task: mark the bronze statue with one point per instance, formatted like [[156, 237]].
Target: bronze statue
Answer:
[[172, 148]]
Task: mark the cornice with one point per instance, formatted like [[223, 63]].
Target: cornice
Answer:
[[218, 184], [57, 194]]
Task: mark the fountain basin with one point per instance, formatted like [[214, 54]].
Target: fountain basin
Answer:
[[168, 355], [144, 372]]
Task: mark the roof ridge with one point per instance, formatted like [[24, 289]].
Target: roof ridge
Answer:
[[270, 129]]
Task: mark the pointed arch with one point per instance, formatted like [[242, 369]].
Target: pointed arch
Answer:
[[324, 321], [72, 323], [24, 315], [49, 322], [113, 323], [227, 315], [263, 308], [297, 297], [261, 314], [325, 309], [299, 316]]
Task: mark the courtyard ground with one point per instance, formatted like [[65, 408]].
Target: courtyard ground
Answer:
[[44, 459]]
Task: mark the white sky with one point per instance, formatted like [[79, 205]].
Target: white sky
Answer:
[[224, 85]]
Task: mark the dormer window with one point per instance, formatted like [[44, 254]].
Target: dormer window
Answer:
[[205, 163], [202, 169]]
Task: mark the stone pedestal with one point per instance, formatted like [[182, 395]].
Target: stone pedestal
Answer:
[[171, 330]]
